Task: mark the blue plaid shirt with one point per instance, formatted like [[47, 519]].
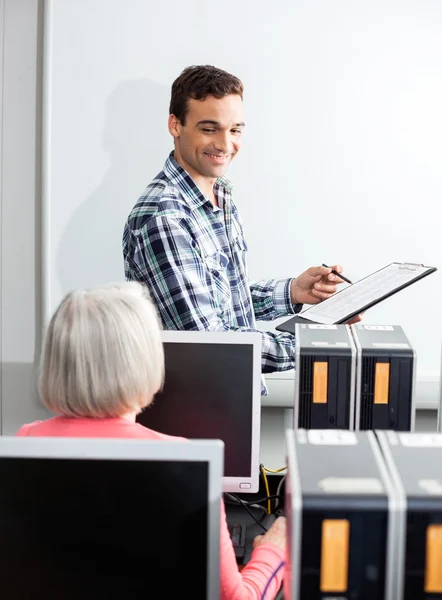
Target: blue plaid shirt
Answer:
[[192, 256]]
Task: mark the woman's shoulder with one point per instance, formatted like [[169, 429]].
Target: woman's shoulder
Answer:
[[26, 429], [157, 435]]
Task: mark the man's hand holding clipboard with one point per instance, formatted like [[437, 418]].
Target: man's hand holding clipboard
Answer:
[[346, 305]]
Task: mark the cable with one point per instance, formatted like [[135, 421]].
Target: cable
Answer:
[[251, 502], [249, 511], [264, 471], [274, 471], [278, 490], [257, 506], [254, 505], [266, 483], [255, 502], [272, 576]]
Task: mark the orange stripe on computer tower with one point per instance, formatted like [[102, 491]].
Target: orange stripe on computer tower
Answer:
[[433, 560], [320, 382], [335, 546], [381, 383]]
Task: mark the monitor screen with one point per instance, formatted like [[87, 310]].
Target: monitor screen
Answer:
[[212, 390], [99, 528]]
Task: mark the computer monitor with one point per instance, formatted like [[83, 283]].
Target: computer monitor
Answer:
[[96, 519], [212, 390]]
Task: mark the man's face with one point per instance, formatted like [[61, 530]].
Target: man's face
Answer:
[[211, 136]]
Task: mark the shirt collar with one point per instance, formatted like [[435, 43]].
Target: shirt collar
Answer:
[[180, 177]]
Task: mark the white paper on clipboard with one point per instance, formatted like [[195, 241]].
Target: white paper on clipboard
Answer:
[[365, 292]]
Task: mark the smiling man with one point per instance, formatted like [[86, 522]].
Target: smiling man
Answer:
[[184, 237]]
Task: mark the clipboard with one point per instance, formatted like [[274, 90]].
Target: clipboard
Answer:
[[360, 296]]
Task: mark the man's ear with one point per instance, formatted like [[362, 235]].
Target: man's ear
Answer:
[[174, 126]]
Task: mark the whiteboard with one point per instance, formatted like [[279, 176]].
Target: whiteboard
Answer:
[[342, 153]]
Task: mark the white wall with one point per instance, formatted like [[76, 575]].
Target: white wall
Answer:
[[341, 156], [20, 211], [368, 168], [21, 205]]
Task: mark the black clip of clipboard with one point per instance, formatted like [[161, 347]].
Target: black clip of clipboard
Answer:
[[289, 325]]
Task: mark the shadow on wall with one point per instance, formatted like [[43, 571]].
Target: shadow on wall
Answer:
[[136, 137]]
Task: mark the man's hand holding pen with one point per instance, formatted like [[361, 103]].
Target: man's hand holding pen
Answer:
[[317, 284]]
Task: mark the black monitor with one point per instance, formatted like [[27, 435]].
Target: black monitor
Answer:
[[212, 390], [99, 519]]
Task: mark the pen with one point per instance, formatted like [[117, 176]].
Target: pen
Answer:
[[338, 274]]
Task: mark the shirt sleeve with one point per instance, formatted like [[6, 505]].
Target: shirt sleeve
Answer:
[[165, 256], [251, 582], [271, 299]]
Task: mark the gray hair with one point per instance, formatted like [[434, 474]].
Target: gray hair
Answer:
[[102, 354]]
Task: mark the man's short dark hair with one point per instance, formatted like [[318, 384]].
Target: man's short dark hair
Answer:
[[198, 82]]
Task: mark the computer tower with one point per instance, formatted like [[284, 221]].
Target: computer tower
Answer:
[[385, 378], [343, 516], [415, 464], [325, 362]]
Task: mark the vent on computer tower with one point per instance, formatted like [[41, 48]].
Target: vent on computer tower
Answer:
[[367, 392], [305, 391]]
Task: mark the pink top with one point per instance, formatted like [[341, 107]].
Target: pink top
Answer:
[[247, 585]]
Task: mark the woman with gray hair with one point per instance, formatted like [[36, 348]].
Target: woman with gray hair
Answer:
[[102, 363]]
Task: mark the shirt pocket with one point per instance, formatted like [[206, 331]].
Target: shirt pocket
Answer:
[[239, 250], [217, 276]]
